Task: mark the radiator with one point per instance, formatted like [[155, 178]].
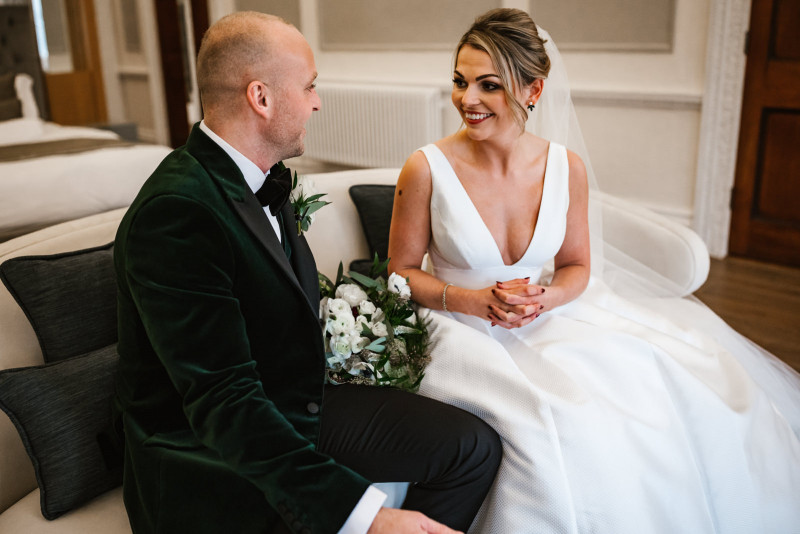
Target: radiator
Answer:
[[372, 126]]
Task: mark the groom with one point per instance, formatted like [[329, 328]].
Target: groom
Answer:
[[228, 426]]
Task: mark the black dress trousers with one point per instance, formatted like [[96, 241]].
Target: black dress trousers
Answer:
[[386, 435]]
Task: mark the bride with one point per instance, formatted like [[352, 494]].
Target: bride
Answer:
[[619, 414]]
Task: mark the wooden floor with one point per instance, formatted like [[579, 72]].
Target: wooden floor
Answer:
[[760, 300]]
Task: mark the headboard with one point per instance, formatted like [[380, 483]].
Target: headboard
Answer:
[[18, 50]]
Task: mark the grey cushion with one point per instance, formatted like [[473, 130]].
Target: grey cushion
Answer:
[[62, 412], [10, 108], [7, 89], [70, 299], [374, 205]]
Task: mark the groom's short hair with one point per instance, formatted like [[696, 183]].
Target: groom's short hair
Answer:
[[234, 51]]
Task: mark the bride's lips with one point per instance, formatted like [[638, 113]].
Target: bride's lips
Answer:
[[476, 118]]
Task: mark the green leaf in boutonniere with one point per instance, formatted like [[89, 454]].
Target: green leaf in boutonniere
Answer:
[[305, 203]]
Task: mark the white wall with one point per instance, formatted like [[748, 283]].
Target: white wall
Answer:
[[640, 111], [640, 114]]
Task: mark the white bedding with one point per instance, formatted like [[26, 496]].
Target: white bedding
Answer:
[[32, 130], [40, 192]]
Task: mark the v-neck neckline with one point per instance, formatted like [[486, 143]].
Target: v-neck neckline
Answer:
[[477, 213]]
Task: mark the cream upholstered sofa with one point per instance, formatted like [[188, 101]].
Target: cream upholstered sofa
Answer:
[[336, 235]]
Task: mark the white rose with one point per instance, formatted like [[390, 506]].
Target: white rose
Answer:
[[340, 324], [339, 307], [366, 307], [412, 319], [351, 293], [340, 345], [378, 316], [379, 329], [397, 284]]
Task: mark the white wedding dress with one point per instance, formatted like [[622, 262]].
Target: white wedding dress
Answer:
[[618, 415]]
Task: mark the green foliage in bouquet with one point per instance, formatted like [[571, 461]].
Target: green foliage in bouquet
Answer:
[[372, 333]]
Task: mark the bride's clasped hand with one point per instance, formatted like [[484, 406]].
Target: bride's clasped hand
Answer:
[[509, 304], [521, 303]]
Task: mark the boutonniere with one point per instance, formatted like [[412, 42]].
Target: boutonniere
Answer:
[[305, 202]]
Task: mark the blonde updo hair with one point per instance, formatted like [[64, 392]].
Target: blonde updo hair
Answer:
[[517, 52]]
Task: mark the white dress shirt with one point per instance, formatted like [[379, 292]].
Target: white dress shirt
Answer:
[[370, 503]]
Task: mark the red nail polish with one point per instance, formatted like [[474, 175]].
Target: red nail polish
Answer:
[[527, 278], [542, 290], [541, 306]]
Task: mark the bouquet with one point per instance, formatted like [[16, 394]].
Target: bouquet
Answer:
[[372, 333]]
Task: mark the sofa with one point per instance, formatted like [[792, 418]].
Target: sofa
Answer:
[[43, 451]]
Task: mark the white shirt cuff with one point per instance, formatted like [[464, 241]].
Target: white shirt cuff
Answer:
[[364, 513]]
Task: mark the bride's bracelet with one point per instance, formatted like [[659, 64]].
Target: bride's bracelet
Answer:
[[444, 296]]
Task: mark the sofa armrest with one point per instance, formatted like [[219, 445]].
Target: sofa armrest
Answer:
[[670, 249]]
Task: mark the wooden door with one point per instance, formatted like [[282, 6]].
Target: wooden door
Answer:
[[765, 221], [77, 96]]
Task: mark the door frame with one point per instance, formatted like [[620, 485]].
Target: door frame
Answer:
[[720, 120], [176, 64]]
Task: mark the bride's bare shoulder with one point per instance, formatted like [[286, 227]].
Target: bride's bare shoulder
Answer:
[[417, 166], [416, 173], [578, 182], [576, 165]]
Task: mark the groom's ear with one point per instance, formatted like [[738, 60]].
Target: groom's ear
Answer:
[[259, 98], [535, 90]]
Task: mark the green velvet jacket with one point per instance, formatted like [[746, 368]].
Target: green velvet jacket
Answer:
[[221, 360]]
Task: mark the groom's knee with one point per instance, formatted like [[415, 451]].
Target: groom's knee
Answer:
[[482, 446], [472, 447]]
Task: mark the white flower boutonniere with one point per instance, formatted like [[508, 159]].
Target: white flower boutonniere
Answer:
[[305, 202]]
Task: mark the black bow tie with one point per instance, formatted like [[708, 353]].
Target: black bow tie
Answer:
[[275, 191]]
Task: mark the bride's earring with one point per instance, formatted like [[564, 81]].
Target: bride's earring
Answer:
[[530, 106]]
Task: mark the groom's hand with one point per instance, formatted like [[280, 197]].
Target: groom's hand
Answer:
[[393, 520]]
